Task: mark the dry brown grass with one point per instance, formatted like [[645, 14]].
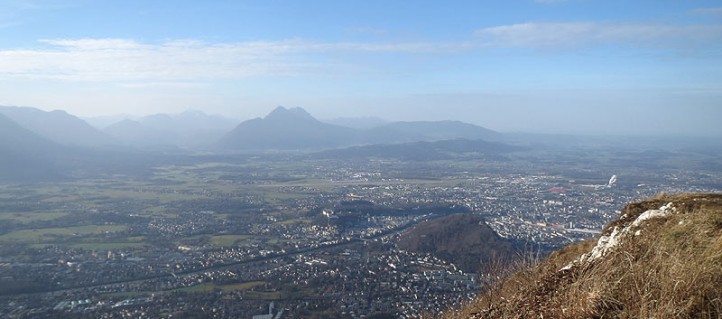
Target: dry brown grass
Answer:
[[672, 269]]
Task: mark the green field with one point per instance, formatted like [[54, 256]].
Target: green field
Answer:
[[107, 245], [206, 288], [43, 235], [262, 295], [242, 286], [230, 240], [27, 217], [294, 221]]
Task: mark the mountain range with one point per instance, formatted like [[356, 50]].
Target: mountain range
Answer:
[[282, 129], [296, 129], [40, 145], [37, 143], [57, 126], [25, 154], [190, 129]]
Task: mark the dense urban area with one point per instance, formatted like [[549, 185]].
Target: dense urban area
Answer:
[[257, 238]]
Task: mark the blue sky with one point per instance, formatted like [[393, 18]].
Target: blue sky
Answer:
[[574, 66]]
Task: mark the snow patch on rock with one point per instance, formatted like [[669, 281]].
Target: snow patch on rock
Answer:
[[663, 211], [614, 239]]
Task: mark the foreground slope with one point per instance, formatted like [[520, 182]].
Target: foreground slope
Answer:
[[661, 259]]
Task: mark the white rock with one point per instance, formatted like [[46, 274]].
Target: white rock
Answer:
[[608, 242]]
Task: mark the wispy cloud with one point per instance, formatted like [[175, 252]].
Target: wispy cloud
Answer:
[[566, 35], [15, 12], [126, 60], [170, 85], [550, 1], [391, 47], [707, 11], [123, 60], [369, 30], [186, 63], [40, 4], [8, 24]]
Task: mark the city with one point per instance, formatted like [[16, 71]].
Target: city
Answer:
[[227, 239]]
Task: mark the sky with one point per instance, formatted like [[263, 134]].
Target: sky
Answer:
[[548, 66]]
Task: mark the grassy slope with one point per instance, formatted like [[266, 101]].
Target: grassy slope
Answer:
[[672, 269]]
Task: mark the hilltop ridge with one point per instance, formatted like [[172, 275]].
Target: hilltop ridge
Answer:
[[661, 259], [463, 239]]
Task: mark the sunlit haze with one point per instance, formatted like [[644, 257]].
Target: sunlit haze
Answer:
[[590, 67]]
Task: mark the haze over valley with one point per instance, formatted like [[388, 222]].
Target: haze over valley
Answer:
[[360, 159], [280, 208]]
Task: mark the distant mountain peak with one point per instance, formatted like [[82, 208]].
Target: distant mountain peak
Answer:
[[278, 111], [286, 128], [283, 113]]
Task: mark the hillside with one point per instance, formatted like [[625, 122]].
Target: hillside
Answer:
[[439, 130], [25, 155], [285, 129], [135, 133], [57, 126], [190, 129], [361, 123], [661, 259], [463, 239]]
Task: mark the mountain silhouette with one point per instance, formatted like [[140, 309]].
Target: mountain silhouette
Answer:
[[438, 130], [25, 154], [296, 129], [132, 132], [287, 129], [57, 126], [190, 129]]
